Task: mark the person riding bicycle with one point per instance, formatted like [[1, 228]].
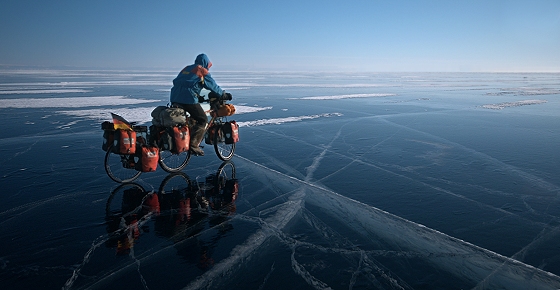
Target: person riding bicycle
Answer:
[[185, 94]]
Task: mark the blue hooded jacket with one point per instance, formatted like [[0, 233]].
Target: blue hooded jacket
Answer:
[[191, 80]]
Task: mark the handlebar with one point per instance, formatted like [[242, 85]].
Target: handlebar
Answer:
[[219, 98]]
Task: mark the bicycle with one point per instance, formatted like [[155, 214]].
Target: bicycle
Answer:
[[121, 167]]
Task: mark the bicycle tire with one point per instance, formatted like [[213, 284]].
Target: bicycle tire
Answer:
[[181, 181], [118, 192], [171, 162], [223, 151], [114, 166], [224, 172]]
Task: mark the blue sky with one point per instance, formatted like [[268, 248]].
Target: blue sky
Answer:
[[287, 35]]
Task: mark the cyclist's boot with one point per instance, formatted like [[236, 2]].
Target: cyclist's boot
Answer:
[[196, 139], [197, 151]]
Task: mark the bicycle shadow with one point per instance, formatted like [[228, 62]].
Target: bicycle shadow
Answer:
[[180, 210]]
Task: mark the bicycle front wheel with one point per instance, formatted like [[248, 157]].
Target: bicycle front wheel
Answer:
[[173, 162], [223, 150], [120, 168]]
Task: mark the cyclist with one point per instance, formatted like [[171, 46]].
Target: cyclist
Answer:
[[185, 94]]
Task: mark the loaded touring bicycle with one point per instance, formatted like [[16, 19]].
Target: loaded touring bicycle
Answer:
[[132, 149]]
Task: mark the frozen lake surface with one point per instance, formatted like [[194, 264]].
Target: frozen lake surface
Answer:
[[345, 181]]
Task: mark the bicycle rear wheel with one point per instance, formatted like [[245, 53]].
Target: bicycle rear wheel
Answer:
[[118, 209], [223, 150], [173, 162], [120, 168]]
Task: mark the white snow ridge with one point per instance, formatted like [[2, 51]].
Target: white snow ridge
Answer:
[[75, 102], [277, 121], [339, 97], [513, 104]]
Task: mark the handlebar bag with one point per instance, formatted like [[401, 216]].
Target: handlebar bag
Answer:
[[148, 159], [231, 132], [226, 110], [181, 139]]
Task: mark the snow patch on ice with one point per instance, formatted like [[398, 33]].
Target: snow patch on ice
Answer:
[[247, 85], [44, 91], [338, 97], [513, 104], [140, 115], [277, 121], [71, 102], [239, 109], [525, 91]]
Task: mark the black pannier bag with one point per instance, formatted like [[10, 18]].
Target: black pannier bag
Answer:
[[231, 132], [209, 136], [162, 137], [108, 135], [166, 140]]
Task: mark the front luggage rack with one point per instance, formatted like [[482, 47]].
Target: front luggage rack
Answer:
[[140, 129]]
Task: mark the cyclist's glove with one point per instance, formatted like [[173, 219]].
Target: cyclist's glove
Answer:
[[213, 97], [201, 99], [226, 96]]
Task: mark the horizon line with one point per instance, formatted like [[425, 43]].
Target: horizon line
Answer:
[[260, 70]]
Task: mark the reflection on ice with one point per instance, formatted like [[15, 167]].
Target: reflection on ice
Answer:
[[181, 210]]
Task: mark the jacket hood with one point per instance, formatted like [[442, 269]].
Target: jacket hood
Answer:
[[203, 60]]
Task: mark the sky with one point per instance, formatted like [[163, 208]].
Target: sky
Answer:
[[287, 35]]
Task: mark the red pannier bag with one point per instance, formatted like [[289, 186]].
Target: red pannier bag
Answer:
[[181, 138], [126, 142], [148, 158], [231, 132]]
